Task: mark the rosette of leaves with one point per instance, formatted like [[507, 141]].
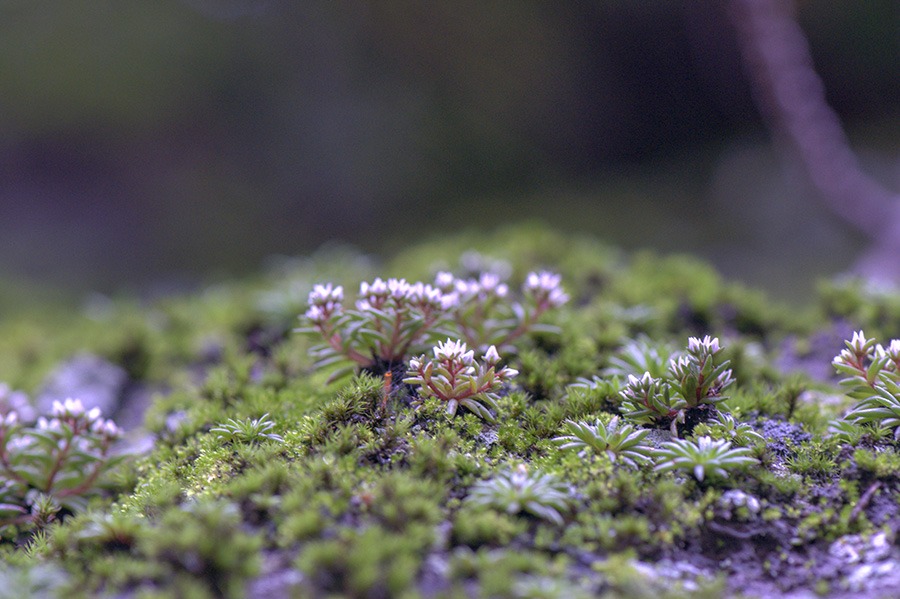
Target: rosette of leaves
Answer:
[[55, 464], [620, 442], [649, 400], [872, 375], [703, 458], [724, 426], [247, 430], [456, 378], [517, 491]]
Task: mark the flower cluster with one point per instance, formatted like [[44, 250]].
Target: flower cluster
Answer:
[[872, 375], [694, 380], [393, 319], [454, 376], [57, 462]]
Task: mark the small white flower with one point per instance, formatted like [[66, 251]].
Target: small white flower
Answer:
[[315, 314], [378, 288], [444, 281], [546, 286], [507, 373], [464, 288], [415, 364], [488, 281], [449, 301], [709, 345], [858, 341], [454, 350], [448, 349], [399, 288], [57, 409], [417, 291], [93, 414], [323, 295], [893, 349], [491, 356], [74, 407], [10, 419], [110, 429]]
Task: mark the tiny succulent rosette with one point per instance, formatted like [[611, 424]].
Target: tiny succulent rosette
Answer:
[[394, 319], [704, 457], [872, 375], [454, 376], [619, 442], [649, 400], [724, 426], [247, 431], [520, 490], [60, 458]]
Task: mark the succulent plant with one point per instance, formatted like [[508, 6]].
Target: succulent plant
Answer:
[[639, 356], [246, 431], [517, 491], [872, 375], [694, 381], [620, 442], [703, 458], [457, 378], [724, 426]]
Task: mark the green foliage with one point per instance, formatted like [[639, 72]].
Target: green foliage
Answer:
[[475, 527], [363, 494]]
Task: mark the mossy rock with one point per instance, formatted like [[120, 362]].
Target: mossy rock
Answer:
[[358, 495]]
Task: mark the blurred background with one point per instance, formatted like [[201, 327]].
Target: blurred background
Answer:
[[148, 141]]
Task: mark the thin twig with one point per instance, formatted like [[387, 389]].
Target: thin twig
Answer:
[[864, 500]]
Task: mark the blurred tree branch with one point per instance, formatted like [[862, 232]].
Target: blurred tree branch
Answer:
[[791, 97]]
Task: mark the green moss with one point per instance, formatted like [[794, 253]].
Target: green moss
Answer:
[[367, 500]]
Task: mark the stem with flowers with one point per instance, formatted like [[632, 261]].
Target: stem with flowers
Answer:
[[393, 319], [57, 462]]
